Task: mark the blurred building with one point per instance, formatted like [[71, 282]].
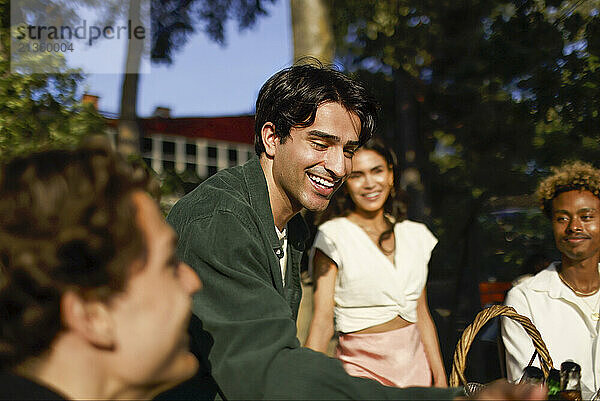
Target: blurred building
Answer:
[[197, 145]]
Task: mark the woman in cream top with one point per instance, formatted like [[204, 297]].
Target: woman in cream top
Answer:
[[370, 271], [371, 289]]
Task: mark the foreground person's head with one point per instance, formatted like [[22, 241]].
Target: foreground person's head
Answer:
[[93, 302]]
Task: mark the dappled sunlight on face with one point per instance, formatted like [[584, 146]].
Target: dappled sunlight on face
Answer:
[[152, 315], [371, 181]]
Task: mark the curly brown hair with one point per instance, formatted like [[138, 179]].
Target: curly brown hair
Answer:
[[570, 176], [67, 222]]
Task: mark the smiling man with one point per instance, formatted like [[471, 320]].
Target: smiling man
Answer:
[[563, 301], [241, 231], [311, 163]]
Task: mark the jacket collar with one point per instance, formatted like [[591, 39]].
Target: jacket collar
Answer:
[[258, 193]]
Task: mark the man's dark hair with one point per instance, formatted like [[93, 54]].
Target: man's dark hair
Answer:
[[290, 99], [67, 222]]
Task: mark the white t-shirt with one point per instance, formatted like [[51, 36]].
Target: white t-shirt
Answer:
[[369, 288], [282, 235]]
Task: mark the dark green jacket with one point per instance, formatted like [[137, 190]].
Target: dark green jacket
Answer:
[[227, 234]]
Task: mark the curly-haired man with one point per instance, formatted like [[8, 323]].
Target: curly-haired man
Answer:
[[563, 300]]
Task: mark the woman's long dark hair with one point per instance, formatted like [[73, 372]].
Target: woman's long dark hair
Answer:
[[394, 208]]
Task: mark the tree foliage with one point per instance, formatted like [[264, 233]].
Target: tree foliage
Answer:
[[39, 110], [503, 90], [174, 21]]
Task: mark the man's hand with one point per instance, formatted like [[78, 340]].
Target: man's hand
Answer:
[[502, 390]]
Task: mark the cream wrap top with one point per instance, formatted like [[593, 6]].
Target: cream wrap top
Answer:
[[369, 289]]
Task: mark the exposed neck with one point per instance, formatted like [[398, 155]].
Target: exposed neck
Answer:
[[582, 274], [75, 373], [282, 207], [374, 219]]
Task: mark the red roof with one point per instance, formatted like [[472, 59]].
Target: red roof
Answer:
[[233, 129], [238, 129]]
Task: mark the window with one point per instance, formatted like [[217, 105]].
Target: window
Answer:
[[190, 168], [211, 152], [146, 145], [168, 165], [212, 170], [190, 149], [233, 157], [148, 162], [168, 148]]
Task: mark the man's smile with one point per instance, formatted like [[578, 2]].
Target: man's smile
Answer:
[[322, 182]]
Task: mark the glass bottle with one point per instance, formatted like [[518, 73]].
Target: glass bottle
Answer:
[[532, 375], [553, 384], [570, 381]]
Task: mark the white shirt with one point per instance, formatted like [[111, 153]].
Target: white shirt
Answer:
[[282, 235], [369, 288], [564, 322]]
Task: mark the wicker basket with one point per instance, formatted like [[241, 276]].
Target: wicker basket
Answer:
[[457, 377]]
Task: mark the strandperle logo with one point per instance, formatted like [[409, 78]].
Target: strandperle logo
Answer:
[[108, 36], [89, 33]]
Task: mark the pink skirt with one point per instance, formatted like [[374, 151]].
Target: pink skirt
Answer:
[[393, 358]]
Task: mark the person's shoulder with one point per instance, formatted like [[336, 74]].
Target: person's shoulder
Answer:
[[517, 295], [411, 225], [333, 223], [413, 228], [225, 184], [15, 387], [542, 280], [334, 227], [224, 191], [521, 279], [534, 286]]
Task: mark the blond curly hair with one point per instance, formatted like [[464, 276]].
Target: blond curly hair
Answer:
[[575, 175]]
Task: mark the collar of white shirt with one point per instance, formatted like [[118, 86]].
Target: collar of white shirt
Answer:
[[548, 281]]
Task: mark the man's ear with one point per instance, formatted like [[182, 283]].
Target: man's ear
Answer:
[[270, 138], [89, 319]]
